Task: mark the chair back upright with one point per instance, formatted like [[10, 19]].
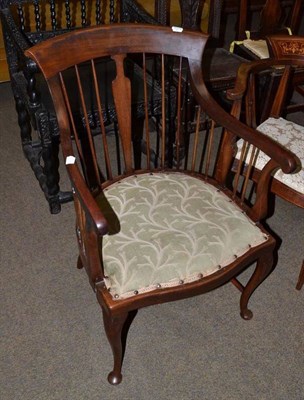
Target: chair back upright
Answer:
[[133, 65]]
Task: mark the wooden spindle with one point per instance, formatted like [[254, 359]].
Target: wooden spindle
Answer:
[[37, 15], [196, 137], [209, 148], [179, 109], [244, 152], [147, 131], [112, 11], [98, 12], [71, 117], [68, 14], [163, 107], [53, 15], [102, 127], [249, 166], [21, 17], [83, 13], [87, 125]]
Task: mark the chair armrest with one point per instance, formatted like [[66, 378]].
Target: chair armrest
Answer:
[[91, 226], [245, 69], [87, 200]]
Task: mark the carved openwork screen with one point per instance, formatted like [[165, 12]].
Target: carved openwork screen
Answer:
[[41, 16]]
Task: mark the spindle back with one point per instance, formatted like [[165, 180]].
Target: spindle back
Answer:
[[167, 143]]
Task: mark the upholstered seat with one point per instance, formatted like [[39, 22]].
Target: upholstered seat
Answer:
[[173, 229], [290, 135], [257, 47]]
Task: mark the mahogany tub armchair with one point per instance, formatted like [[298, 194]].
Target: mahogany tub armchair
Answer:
[[169, 230]]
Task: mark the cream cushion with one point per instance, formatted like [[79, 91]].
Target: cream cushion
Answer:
[[168, 229], [291, 136], [257, 47]]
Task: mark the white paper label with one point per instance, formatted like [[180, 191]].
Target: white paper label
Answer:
[[70, 160], [177, 29]]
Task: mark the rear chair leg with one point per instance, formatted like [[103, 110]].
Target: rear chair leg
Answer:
[[301, 278], [79, 263], [262, 270], [114, 328]]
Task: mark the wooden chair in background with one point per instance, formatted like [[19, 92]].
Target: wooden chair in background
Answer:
[[248, 98], [165, 232], [275, 17], [300, 282], [291, 48]]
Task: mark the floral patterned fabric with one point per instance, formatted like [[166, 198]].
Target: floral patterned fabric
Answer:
[[167, 229], [291, 136]]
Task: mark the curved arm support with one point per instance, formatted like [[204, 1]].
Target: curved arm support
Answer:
[[259, 210], [87, 200], [246, 69]]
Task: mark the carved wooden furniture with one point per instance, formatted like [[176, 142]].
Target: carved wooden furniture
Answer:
[[288, 62], [274, 18], [25, 23], [220, 65], [170, 230], [282, 47]]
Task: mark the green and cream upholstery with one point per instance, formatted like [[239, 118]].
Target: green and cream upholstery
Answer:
[[168, 229]]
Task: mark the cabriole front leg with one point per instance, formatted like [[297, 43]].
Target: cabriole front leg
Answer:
[[262, 270], [114, 329]]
